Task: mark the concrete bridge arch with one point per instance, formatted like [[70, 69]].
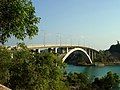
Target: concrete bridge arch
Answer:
[[77, 49]]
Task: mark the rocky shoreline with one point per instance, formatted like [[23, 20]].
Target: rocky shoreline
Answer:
[[98, 64]]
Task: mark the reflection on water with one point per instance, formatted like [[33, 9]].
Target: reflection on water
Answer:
[[93, 71]]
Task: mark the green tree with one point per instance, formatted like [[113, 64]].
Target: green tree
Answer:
[[5, 60], [19, 72], [17, 18], [77, 81], [111, 80], [49, 69], [35, 71], [103, 57]]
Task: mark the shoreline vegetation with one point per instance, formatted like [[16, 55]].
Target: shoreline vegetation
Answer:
[[22, 69], [99, 64], [104, 57]]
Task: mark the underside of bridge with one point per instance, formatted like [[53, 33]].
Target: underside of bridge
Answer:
[[77, 56]]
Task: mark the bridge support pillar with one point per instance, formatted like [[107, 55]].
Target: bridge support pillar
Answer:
[[39, 50], [63, 50], [85, 49], [95, 55], [67, 50], [92, 55], [56, 50], [89, 53], [49, 50]]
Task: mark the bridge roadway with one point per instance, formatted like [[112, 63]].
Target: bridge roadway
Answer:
[[89, 52], [59, 46]]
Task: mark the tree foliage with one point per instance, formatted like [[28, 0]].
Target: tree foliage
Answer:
[[77, 81], [19, 72], [115, 48], [103, 56], [17, 18], [49, 70], [30, 71], [22, 69], [5, 60], [111, 80], [80, 81]]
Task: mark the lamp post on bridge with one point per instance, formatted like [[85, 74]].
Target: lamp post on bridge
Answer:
[[71, 42], [44, 37], [82, 37], [60, 39], [59, 36]]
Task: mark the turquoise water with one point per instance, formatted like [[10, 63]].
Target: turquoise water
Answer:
[[93, 71]]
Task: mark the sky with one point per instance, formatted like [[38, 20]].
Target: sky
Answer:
[[93, 23]]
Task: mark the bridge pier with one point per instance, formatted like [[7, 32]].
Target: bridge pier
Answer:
[[63, 49], [95, 54], [92, 55], [89, 53], [67, 49], [39, 50], [56, 50]]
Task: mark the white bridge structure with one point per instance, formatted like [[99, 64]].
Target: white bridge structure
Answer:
[[66, 50]]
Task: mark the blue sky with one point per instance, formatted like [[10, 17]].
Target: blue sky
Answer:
[[94, 23]]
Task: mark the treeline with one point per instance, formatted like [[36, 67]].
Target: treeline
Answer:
[[110, 56], [107, 58], [80, 81], [22, 69]]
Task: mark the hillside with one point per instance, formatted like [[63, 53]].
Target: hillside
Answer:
[[115, 50]]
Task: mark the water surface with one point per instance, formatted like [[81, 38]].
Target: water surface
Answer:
[[94, 71]]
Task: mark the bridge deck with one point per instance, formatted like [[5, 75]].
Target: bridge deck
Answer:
[[58, 46]]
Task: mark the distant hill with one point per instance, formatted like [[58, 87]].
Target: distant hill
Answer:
[[115, 50]]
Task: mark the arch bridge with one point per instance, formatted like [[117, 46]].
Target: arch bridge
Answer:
[[66, 50]]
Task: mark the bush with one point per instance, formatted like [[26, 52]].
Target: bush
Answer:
[[25, 70], [111, 80], [5, 60]]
